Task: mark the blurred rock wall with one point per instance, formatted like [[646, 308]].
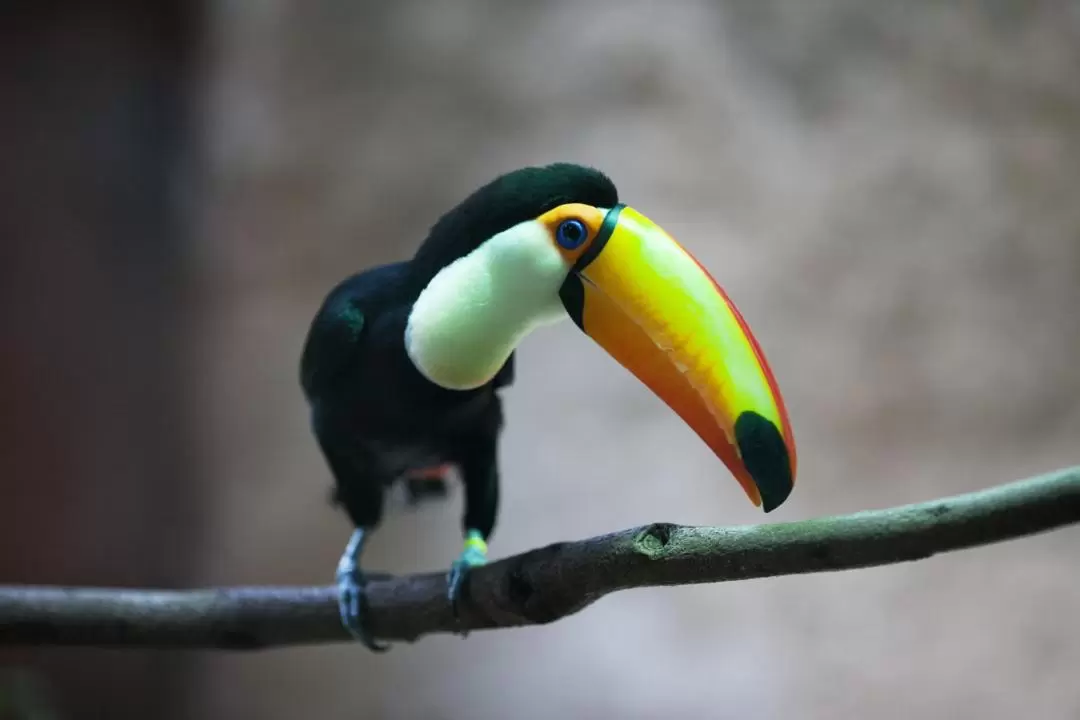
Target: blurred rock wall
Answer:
[[887, 190]]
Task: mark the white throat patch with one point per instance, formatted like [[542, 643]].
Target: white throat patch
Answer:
[[476, 310]]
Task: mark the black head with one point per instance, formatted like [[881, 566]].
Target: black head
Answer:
[[506, 201]]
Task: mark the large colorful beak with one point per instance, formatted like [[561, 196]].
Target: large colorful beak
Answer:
[[658, 312]]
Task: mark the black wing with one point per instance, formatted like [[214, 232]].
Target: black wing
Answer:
[[336, 334], [331, 345]]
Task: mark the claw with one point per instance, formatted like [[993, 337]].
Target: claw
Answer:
[[351, 581], [474, 555], [350, 604]]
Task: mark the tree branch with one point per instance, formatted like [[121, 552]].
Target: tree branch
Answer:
[[541, 585]]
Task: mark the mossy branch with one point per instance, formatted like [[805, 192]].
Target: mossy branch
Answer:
[[541, 585]]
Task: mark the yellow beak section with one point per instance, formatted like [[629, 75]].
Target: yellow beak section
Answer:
[[658, 312]]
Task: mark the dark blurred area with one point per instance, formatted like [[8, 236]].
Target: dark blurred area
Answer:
[[887, 190], [98, 452]]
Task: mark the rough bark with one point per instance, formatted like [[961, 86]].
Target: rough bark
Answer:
[[541, 585]]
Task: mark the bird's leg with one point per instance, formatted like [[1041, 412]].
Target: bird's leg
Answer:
[[479, 473], [359, 489], [474, 554], [351, 582]]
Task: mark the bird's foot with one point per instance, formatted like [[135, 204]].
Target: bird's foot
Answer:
[[351, 582], [474, 555]]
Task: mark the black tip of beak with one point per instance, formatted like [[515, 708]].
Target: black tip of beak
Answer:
[[766, 458]]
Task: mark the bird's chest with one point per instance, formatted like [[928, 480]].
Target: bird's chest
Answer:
[[416, 432]]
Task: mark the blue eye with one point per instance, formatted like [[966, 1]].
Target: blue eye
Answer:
[[571, 233]]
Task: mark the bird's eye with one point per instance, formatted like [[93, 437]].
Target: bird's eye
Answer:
[[571, 233]]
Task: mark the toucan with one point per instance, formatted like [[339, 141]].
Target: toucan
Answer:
[[403, 363]]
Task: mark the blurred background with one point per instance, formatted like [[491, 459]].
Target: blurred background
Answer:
[[887, 190]]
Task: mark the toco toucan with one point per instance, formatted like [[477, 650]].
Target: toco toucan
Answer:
[[403, 362]]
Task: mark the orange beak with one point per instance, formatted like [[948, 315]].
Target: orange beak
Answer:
[[651, 306]]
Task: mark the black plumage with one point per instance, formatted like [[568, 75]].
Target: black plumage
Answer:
[[375, 416]]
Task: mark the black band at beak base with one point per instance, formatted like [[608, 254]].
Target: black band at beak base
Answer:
[[572, 293], [598, 243]]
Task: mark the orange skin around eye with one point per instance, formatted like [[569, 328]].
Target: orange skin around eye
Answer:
[[590, 216]]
